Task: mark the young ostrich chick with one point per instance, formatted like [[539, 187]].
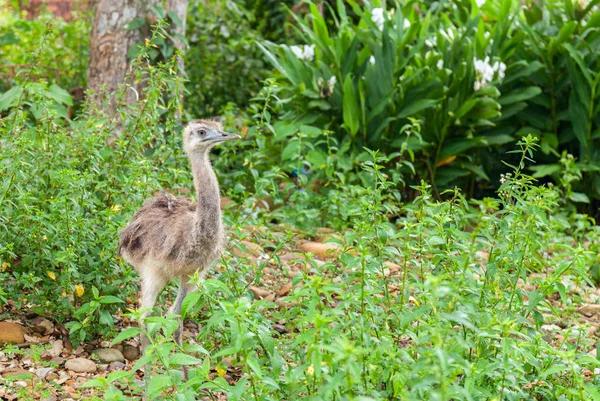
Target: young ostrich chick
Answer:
[[172, 237]]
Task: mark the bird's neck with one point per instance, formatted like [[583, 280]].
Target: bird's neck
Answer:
[[207, 188]]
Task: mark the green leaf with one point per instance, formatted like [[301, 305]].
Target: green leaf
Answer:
[[136, 24], [118, 375], [110, 299], [175, 18], [522, 70], [98, 382], [126, 334], [579, 197], [545, 170], [291, 150], [414, 107], [519, 95], [157, 383], [351, 112], [253, 364], [184, 359], [582, 65], [10, 98], [106, 318]]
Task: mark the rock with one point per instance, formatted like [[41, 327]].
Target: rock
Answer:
[[284, 290], [42, 326], [130, 352], [11, 333], [102, 367], [51, 398], [259, 293], [51, 376], [325, 230], [324, 251], [57, 348], [117, 366], [589, 309], [12, 372], [57, 360], [81, 365], [108, 355], [63, 378], [280, 328], [43, 372], [292, 256]]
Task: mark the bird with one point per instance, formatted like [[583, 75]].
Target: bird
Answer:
[[169, 237]]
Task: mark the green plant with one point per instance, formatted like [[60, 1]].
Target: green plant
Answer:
[[461, 316], [456, 67]]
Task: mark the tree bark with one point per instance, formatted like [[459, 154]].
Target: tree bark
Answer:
[[110, 42]]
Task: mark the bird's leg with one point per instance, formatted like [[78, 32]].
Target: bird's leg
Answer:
[[151, 287], [185, 287]]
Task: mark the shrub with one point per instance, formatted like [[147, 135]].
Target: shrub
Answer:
[[62, 58], [456, 68], [223, 62], [65, 194]]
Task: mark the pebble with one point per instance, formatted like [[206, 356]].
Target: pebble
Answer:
[[108, 355], [42, 326], [11, 333], [117, 366], [43, 372], [81, 365], [51, 376], [130, 352]]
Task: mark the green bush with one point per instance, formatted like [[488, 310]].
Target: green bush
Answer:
[[223, 62], [65, 194], [61, 58], [475, 78]]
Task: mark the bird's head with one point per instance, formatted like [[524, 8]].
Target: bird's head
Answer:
[[202, 135]]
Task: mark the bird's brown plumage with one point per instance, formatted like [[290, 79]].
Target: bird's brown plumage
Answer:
[[173, 237]]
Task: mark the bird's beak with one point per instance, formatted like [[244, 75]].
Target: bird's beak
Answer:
[[228, 137], [222, 136]]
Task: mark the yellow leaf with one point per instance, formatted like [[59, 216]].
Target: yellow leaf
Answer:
[[5, 265], [220, 371], [115, 208], [447, 160], [51, 275], [79, 290]]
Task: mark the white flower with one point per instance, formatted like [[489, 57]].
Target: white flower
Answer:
[[406, 23], [432, 42], [484, 71], [298, 51], [500, 69], [480, 3], [378, 18], [440, 64], [372, 60], [304, 52], [486, 34], [309, 52], [332, 82]]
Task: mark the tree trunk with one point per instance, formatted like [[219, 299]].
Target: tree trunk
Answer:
[[111, 41]]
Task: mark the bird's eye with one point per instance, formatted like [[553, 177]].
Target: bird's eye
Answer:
[[202, 132]]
